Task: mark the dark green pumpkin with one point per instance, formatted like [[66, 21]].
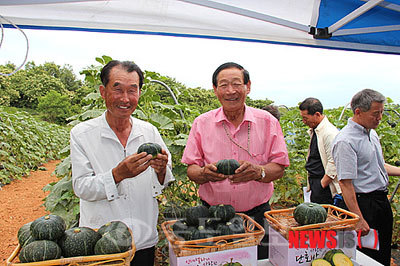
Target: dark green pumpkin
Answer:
[[202, 232], [227, 166], [48, 227], [173, 212], [237, 219], [150, 148], [212, 222], [40, 250], [189, 232], [236, 224], [309, 213], [223, 229], [79, 241], [212, 208], [197, 215], [113, 226], [114, 241], [24, 235], [180, 228], [222, 212]]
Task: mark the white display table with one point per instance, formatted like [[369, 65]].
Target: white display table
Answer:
[[362, 260]]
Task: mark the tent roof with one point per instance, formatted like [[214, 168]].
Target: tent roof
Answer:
[[372, 26]]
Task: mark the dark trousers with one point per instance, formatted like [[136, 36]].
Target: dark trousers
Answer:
[[257, 214], [144, 257], [376, 210], [319, 194]]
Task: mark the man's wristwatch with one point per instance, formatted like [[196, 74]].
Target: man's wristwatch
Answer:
[[262, 174]]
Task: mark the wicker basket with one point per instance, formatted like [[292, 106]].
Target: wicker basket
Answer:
[[337, 219], [123, 258], [252, 237]]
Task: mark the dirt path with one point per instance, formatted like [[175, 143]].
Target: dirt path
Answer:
[[20, 203]]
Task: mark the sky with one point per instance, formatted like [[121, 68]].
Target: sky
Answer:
[[284, 74]]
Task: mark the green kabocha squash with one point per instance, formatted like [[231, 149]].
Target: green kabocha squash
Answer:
[[79, 241], [202, 232], [320, 262], [197, 215], [237, 219], [340, 259], [189, 232], [236, 225], [309, 213], [48, 227], [40, 250], [180, 228], [227, 166], [329, 255], [24, 235], [212, 209], [174, 212], [222, 212], [150, 148], [114, 241], [114, 225], [212, 222], [223, 229]]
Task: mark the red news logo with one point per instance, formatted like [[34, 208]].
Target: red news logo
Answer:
[[312, 239], [325, 239]]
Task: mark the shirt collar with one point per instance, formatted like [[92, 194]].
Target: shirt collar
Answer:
[[248, 115], [319, 127], [322, 124], [357, 126], [106, 130]]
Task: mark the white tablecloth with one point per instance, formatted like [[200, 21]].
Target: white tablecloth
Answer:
[[361, 259]]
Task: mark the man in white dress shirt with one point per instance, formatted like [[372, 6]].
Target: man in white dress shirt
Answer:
[[111, 179]]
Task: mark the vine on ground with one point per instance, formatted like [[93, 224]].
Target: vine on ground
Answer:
[[26, 143]]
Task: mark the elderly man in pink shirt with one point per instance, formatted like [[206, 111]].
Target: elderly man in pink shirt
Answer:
[[235, 131]]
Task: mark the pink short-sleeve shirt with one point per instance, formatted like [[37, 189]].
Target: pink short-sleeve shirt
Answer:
[[209, 143]]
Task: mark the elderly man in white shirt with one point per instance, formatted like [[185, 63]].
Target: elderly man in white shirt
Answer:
[[111, 179], [322, 178]]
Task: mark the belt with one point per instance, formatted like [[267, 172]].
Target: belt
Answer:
[[374, 194], [263, 207], [316, 176], [250, 212]]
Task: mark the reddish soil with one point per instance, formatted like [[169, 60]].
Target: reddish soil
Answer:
[[20, 203]]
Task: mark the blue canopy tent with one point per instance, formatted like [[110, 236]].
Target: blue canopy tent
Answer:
[[358, 25]]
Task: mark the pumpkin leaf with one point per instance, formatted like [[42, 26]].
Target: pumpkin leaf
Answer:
[[161, 121]]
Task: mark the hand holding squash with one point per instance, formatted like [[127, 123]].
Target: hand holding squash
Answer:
[[159, 162], [210, 173], [246, 172], [131, 166]]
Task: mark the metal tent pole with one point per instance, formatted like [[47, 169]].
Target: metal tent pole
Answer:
[[397, 163], [172, 95]]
